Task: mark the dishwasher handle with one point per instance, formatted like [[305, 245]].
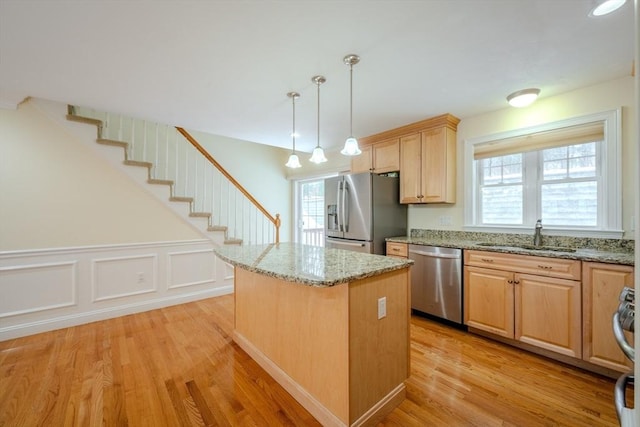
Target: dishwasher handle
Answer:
[[434, 255]]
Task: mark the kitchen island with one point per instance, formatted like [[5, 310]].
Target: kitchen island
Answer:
[[331, 326]]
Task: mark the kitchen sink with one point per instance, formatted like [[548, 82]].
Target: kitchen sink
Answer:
[[528, 247]]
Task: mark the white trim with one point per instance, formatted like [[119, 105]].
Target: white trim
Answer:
[[99, 248], [612, 171], [58, 322]]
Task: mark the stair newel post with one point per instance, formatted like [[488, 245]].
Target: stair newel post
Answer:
[[277, 225]]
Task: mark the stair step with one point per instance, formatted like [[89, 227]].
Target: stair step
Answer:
[[138, 163], [112, 142], [181, 199], [200, 214], [233, 241], [160, 181], [87, 120], [217, 228]]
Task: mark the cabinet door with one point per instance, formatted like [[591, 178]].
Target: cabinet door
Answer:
[[548, 313], [363, 162], [410, 173], [438, 165], [386, 156], [601, 287], [488, 300]]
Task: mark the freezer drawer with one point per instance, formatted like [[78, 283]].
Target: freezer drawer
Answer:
[[349, 245]]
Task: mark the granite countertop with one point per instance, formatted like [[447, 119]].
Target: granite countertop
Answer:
[[605, 255], [309, 265]]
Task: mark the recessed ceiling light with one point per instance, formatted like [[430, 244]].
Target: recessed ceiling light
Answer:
[[524, 97], [604, 7]]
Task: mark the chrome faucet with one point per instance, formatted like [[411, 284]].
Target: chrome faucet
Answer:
[[537, 236]]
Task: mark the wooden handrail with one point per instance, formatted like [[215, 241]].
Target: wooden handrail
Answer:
[[274, 220]]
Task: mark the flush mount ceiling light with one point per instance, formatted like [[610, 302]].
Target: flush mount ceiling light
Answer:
[[522, 98], [351, 144], [293, 162], [604, 7], [318, 153]]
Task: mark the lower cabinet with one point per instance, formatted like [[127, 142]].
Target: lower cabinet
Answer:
[[531, 299], [601, 287]]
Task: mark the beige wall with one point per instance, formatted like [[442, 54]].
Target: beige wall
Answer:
[[259, 169], [589, 100], [56, 192]]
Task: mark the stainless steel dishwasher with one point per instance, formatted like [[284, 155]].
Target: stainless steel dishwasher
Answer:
[[436, 281]]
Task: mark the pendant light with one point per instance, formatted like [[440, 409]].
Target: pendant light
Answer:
[[318, 153], [351, 144], [293, 162]]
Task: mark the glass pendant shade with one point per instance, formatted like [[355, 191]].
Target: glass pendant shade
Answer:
[[294, 161], [318, 155], [351, 147], [351, 144]]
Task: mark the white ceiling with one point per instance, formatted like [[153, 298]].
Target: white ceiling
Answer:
[[225, 67]]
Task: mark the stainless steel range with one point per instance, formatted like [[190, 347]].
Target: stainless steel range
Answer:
[[624, 320]]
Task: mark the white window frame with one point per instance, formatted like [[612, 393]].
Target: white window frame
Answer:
[[297, 202], [611, 225]]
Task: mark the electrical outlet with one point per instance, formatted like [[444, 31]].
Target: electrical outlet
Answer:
[[141, 277], [382, 307]]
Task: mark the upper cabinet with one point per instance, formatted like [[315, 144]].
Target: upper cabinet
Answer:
[[423, 152], [428, 163], [378, 157]]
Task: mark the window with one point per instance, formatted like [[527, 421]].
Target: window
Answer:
[[566, 174], [310, 212]]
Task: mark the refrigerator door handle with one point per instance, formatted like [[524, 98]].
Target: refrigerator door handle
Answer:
[[345, 207], [339, 206], [342, 242], [618, 333]]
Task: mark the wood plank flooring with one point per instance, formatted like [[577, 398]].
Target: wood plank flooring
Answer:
[[178, 366]]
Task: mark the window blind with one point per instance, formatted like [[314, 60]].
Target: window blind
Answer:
[[571, 135]]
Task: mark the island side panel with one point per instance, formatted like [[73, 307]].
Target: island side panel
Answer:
[[301, 329], [379, 353]]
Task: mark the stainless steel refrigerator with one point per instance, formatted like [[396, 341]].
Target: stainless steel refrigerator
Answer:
[[362, 210]]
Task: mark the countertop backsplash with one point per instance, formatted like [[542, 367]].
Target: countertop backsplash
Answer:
[[613, 245]]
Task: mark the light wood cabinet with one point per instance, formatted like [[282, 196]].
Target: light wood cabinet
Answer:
[[601, 287], [428, 166], [502, 297], [423, 152], [379, 157], [397, 249]]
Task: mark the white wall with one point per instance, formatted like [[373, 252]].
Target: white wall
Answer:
[[55, 192], [605, 96], [259, 169]]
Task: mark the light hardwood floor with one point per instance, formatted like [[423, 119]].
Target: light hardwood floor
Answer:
[[177, 366]]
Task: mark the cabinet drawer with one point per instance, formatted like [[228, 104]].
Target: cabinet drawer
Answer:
[[541, 266], [397, 249]]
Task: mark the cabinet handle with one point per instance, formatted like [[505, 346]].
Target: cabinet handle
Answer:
[[486, 259], [545, 267], [516, 282], [395, 249], [510, 282]]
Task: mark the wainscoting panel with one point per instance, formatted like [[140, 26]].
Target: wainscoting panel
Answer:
[[191, 268], [124, 276], [47, 289], [48, 286]]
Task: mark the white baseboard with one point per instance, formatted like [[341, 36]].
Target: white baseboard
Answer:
[[47, 289]]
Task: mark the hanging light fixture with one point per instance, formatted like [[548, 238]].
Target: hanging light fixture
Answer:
[[351, 144], [524, 97], [318, 153], [293, 162], [604, 7]]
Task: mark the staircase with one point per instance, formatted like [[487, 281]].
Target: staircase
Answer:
[[217, 204]]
